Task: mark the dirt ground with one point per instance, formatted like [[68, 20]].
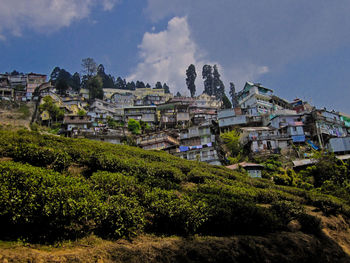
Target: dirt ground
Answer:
[[332, 245]]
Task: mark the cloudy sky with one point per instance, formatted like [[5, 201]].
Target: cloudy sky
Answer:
[[298, 48]]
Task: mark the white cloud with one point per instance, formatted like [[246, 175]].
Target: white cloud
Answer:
[[166, 55], [44, 15]]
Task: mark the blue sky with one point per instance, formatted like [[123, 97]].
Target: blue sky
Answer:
[[297, 48]]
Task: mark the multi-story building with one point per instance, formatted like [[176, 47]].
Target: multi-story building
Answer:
[[147, 114], [101, 110], [198, 143], [161, 140], [290, 125], [255, 98], [33, 81], [122, 100], [174, 113], [264, 139]]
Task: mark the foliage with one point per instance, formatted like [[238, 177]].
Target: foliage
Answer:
[[231, 142], [191, 76], [49, 105], [226, 102], [134, 126], [94, 85], [124, 191]]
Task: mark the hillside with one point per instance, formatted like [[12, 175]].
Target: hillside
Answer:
[[55, 189]]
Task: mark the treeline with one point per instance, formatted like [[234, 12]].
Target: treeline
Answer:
[[54, 188], [95, 79]]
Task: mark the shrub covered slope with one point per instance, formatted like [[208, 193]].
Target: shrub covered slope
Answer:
[[54, 188]]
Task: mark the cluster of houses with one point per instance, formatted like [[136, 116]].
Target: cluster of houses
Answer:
[[190, 127]]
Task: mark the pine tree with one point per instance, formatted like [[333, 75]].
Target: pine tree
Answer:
[[191, 78], [233, 95], [218, 85], [207, 75], [166, 88], [226, 104]]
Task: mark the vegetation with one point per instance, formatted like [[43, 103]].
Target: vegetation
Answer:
[[190, 80], [56, 188]]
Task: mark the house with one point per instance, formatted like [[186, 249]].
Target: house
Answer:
[[160, 140], [147, 114], [74, 123], [230, 118], [290, 125], [264, 139], [301, 106], [174, 113], [101, 110], [323, 125], [253, 169], [198, 143], [33, 81], [255, 98], [115, 136]]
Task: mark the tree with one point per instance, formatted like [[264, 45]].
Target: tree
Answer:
[[107, 80], [191, 78], [233, 95], [158, 85], [134, 126], [144, 126], [75, 81], [166, 88], [131, 85], [63, 81], [50, 106], [226, 104], [120, 83], [218, 85], [94, 85], [178, 94], [54, 75], [232, 143], [148, 86], [89, 66], [140, 85], [207, 75]]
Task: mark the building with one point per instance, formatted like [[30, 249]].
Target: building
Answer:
[[264, 139], [255, 98], [290, 125], [147, 114], [198, 143], [34, 81], [174, 113], [74, 123], [253, 169], [161, 140], [101, 110], [323, 125]]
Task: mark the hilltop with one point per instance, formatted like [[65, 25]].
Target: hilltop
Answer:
[[55, 189]]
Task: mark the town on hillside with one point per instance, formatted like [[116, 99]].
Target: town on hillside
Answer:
[[187, 127]]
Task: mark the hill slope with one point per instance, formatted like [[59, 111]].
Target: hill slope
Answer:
[[55, 189]]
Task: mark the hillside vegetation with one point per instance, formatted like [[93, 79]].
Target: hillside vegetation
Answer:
[[54, 189]]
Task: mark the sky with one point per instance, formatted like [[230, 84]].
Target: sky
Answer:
[[298, 48]]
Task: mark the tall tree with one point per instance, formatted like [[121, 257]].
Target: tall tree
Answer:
[[178, 94], [94, 84], [54, 75], [226, 104], [218, 85], [166, 88], [107, 80], [233, 95], [89, 66], [191, 78], [158, 85], [63, 81], [131, 85], [207, 74], [120, 83], [148, 86], [140, 85], [75, 81]]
